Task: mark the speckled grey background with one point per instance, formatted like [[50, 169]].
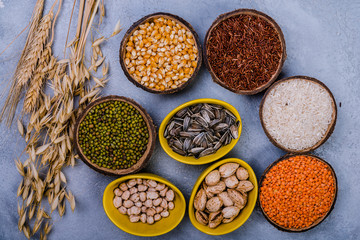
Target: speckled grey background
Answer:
[[323, 41]]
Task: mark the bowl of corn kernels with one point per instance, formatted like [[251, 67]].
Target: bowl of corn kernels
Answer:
[[161, 53]]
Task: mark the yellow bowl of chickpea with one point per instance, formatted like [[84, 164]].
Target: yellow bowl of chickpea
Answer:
[[161, 53], [123, 204]]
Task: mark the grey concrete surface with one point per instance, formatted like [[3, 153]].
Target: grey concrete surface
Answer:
[[323, 41]]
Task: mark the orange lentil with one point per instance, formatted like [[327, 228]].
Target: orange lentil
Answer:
[[297, 191]]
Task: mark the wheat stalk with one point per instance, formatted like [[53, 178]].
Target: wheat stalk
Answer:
[[12, 99]]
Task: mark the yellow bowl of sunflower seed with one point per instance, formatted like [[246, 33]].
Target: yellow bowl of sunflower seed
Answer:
[[200, 131]]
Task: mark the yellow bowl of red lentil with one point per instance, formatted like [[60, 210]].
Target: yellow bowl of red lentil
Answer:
[[161, 53], [297, 192]]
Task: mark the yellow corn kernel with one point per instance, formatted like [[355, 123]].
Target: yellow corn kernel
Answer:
[[156, 59], [191, 71], [132, 70], [186, 70], [157, 26], [128, 55], [162, 88], [153, 64], [194, 64]]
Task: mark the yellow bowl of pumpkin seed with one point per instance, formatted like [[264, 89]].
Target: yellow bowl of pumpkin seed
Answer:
[[198, 160], [244, 214], [163, 226]]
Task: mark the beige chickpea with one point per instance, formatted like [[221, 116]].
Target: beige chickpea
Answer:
[[123, 187], [122, 210], [117, 201], [159, 209], [142, 188], [152, 195], [134, 218], [170, 195], [118, 192], [164, 204], [152, 183], [126, 195], [131, 183], [163, 192], [143, 218], [133, 190], [164, 214], [128, 203], [157, 217], [142, 196], [135, 197], [148, 203], [150, 212], [157, 202], [135, 210], [160, 186], [150, 220]]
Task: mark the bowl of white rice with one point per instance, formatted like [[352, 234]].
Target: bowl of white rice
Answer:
[[298, 114]]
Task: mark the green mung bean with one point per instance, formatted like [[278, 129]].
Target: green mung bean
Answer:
[[113, 135]]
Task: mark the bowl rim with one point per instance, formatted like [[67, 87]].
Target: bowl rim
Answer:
[[150, 146], [318, 221], [191, 160], [201, 178], [253, 12], [177, 19], [331, 126], [144, 176]]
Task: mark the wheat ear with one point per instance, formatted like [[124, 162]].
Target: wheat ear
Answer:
[[45, 65], [12, 99], [37, 46]]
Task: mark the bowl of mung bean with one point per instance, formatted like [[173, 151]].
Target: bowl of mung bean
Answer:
[[114, 135], [161, 53]]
